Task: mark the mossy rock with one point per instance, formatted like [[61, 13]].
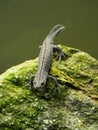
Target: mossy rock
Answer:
[[74, 108]]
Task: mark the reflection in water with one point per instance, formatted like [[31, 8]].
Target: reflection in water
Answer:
[[24, 25]]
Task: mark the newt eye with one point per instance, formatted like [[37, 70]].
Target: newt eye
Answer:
[[42, 84], [34, 82]]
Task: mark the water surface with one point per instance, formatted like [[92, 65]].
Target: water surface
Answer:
[[25, 23]]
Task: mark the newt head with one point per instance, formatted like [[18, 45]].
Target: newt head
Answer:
[[39, 81], [38, 84]]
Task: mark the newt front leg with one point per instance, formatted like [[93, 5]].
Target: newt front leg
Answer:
[[61, 55]]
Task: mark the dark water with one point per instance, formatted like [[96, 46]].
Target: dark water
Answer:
[[25, 23]]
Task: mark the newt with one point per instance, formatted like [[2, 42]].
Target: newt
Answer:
[[45, 59]]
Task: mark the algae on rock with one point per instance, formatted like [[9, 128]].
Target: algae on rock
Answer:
[[75, 108]]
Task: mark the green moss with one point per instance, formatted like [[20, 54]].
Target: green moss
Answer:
[[75, 108]]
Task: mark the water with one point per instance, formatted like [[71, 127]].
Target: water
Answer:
[[24, 25]]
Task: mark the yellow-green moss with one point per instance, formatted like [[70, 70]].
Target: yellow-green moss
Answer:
[[74, 108]]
